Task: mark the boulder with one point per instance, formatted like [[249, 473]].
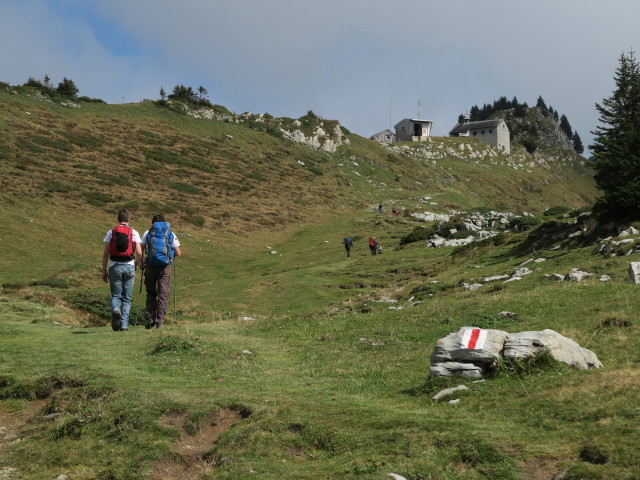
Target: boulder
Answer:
[[469, 344], [562, 349], [634, 273], [577, 275], [456, 369], [471, 352]]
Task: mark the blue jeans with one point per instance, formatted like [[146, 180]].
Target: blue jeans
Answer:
[[121, 281]]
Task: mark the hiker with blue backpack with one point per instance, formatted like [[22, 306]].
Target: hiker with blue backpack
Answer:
[[120, 258], [348, 244], [160, 245]]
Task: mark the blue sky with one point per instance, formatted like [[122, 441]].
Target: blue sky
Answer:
[[366, 63]]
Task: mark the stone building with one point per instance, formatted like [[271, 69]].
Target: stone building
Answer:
[[492, 132], [413, 130], [385, 136]]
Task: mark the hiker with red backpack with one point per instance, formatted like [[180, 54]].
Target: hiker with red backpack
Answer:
[[160, 245], [121, 257], [373, 245]]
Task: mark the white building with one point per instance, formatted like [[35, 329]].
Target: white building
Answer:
[[492, 132], [413, 130]]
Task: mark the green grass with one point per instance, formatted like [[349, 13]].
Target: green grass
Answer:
[[326, 379]]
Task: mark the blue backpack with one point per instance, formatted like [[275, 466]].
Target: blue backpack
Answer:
[[159, 240]]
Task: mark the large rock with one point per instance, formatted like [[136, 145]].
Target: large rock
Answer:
[[527, 344], [469, 344], [634, 273], [456, 369], [471, 352]]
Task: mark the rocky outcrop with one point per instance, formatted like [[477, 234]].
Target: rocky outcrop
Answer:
[[472, 352]]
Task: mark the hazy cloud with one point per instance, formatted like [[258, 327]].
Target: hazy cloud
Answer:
[[366, 63]]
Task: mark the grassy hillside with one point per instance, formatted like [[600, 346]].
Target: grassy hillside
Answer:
[[300, 363]]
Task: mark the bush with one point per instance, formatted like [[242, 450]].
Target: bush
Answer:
[[553, 211], [417, 234], [529, 144]]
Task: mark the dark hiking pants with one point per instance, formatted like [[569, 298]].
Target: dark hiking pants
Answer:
[[157, 282]]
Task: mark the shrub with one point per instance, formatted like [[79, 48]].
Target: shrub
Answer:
[[417, 234], [529, 144], [91, 100], [553, 211]]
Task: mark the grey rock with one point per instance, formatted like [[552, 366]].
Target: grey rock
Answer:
[[449, 391], [456, 369], [526, 344], [634, 273], [452, 348], [577, 275]]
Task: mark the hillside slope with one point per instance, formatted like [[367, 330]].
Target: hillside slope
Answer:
[[214, 172], [282, 358]]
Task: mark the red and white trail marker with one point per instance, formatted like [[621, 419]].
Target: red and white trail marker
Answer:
[[474, 338]]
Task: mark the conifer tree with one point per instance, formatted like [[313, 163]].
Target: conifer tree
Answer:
[[566, 126], [616, 146], [577, 143], [68, 88]]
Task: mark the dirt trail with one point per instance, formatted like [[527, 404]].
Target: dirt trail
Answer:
[[188, 461]]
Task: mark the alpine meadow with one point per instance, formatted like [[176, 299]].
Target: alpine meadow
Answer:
[[282, 358]]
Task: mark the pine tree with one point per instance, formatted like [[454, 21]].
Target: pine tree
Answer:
[[67, 88], [163, 94], [566, 126], [616, 146], [540, 104], [577, 143]]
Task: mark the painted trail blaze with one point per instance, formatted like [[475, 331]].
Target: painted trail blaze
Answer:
[[473, 338]]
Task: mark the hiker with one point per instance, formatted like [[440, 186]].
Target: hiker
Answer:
[[348, 243], [160, 245], [121, 257], [380, 208], [372, 245], [394, 212], [379, 248]]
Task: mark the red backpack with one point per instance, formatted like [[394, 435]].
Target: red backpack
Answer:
[[372, 241], [121, 244]]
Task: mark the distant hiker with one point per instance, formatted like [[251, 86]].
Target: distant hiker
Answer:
[[379, 248], [348, 243], [380, 208], [394, 212], [121, 257], [160, 246], [372, 245]]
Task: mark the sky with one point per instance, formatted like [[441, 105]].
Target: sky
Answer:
[[365, 63]]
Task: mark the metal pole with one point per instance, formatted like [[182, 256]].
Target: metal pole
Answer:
[[175, 284], [135, 322]]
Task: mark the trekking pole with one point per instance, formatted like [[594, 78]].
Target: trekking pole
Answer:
[[175, 284], [135, 322]]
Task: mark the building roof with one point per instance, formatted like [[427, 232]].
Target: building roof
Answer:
[[415, 120], [465, 127]]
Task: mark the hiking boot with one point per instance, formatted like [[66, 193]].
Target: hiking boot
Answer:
[[159, 325], [124, 329], [115, 320]]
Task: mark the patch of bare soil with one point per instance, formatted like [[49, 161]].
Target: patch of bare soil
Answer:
[[11, 425], [189, 461], [541, 469]]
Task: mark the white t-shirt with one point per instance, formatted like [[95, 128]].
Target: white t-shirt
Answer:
[[135, 238]]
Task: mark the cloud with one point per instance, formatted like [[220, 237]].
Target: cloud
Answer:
[[355, 61]]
